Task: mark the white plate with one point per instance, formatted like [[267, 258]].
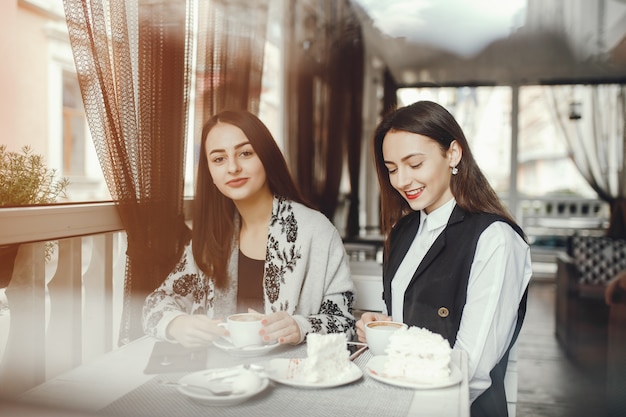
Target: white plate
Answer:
[[376, 365], [205, 397], [245, 352], [288, 372]]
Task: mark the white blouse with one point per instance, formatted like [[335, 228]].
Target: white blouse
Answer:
[[488, 321]]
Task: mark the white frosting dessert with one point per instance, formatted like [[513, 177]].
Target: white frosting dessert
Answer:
[[418, 354], [327, 358], [246, 381]]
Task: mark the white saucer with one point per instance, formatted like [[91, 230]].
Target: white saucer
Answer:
[[244, 352], [376, 365], [205, 397], [288, 371]]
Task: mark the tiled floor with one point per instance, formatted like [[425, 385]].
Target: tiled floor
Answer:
[[549, 384]]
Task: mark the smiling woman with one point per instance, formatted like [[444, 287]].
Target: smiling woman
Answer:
[[237, 172], [456, 262], [255, 244]]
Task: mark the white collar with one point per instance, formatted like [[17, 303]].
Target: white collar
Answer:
[[439, 217]]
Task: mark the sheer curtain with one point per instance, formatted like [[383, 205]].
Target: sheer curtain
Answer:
[[135, 64], [133, 61], [593, 120], [324, 102]]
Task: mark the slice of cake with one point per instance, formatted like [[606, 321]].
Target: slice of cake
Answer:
[[327, 358], [418, 354]]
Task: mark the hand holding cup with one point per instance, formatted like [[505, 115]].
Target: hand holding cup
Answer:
[[244, 329]]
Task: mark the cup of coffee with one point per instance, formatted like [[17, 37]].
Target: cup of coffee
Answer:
[[244, 329], [377, 334]]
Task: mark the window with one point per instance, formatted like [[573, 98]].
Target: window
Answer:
[[74, 128], [484, 114], [544, 163]]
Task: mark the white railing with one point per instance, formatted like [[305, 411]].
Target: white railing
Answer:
[[60, 312], [548, 221], [558, 216]]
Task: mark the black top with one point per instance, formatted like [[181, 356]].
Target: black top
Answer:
[[250, 284]]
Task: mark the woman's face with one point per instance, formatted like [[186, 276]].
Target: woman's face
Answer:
[[418, 169], [233, 164]]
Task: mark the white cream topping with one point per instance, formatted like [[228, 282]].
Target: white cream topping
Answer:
[[418, 354], [327, 358]]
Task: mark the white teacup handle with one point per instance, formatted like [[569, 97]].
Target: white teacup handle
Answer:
[[225, 325]]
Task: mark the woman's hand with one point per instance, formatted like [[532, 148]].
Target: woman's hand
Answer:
[[366, 318], [281, 327], [195, 330]]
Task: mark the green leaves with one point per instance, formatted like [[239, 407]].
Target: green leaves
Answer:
[[26, 180]]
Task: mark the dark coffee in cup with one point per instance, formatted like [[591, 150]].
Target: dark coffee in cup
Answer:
[[245, 317], [385, 325], [244, 329], [377, 334]]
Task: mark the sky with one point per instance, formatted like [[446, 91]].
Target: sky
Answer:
[[460, 26]]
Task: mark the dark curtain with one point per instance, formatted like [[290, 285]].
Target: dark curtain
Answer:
[[133, 61], [134, 64], [390, 93], [231, 44], [355, 57], [617, 223], [324, 101]]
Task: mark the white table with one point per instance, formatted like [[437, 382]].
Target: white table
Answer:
[[117, 380]]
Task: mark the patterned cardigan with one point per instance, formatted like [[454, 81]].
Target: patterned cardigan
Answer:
[[306, 274]]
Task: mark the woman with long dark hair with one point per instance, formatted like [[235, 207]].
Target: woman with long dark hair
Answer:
[[256, 245], [455, 262]]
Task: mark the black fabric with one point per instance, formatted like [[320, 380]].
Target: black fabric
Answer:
[[250, 284], [324, 102], [617, 225], [440, 281], [172, 357]]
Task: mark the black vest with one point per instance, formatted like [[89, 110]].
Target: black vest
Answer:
[[436, 295]]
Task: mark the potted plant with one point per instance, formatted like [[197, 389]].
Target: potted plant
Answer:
[[25, 180]]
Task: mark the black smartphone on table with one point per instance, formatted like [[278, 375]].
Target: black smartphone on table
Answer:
[[355, 349]]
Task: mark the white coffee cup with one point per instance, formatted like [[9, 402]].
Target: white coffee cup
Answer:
[[244, 329], [377, 334]]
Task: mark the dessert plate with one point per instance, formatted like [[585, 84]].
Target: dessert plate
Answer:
[[376, 365], [241, 393], [290, 372], [244, 352]]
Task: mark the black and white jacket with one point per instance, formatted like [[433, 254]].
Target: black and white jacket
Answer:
[[306, 274]]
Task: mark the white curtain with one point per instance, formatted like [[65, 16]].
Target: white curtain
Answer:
[[593, 121]]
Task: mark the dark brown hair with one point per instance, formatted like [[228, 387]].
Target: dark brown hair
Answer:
[[470, 188], [213, 213]]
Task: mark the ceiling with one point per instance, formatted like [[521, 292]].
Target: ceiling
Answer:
[[492, 42]]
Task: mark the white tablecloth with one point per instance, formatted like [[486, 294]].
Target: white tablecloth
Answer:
[[115, 385]]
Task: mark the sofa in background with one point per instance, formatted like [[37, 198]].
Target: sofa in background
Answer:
[[582, 316], [616, 360]]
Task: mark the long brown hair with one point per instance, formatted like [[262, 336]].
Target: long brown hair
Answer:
[[469, 186], [214, 214]]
